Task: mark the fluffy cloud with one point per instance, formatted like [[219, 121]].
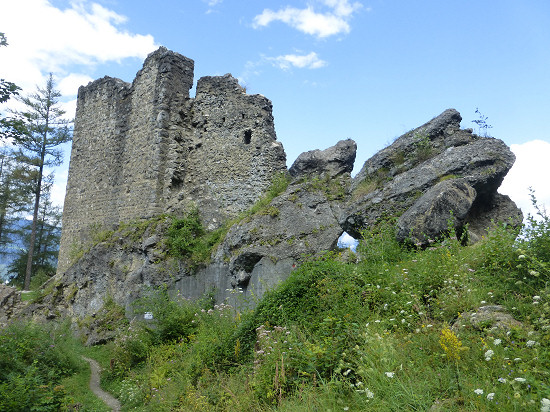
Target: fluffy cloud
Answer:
[[531, 169], [309, 21], [63, 41], [68, 42], [308, 61]]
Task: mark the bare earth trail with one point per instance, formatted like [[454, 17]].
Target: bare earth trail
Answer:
[[112, 402]]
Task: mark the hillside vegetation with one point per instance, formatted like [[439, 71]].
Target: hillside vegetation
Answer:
[[387, 328]]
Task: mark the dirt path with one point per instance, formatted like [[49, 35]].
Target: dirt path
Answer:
[[111, 402]]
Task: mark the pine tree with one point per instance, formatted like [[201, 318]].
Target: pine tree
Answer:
[[46, 245], [15, 196], [38, 147]]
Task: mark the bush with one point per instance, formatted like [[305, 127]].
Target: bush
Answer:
[[184, 234], [34, 360]]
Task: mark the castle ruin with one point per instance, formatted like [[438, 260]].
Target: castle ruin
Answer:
[[147, 148]]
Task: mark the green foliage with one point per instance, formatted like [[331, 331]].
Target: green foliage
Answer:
[[9, 127], [396, 330], [332, 188], [37, 147], [186, 239], [423, 148], [379, 245], [34, 360], [536, 233], [173, 318], [48, 234]]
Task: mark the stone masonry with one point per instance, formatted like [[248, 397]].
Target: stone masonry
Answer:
[[146, 148]]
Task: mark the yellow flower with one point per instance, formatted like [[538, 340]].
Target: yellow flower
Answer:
[[451, 344]]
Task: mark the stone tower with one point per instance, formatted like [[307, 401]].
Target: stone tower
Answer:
[[146, 148]]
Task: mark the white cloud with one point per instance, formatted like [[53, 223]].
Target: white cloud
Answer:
[[68, 86], [308, 61], [69, 42], [309, 21], [531, 169], [58, 41], [212, 3]]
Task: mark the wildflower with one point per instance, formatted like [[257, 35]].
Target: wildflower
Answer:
[[521, 257], [490, 396], [450, 344], [545, 405], [478, 391], [497, 342], [489, 354], [536, 297], [530, 343], [390, 374], [533, 273], [346, 373], [502, 380], [369, 393], [520, 380]]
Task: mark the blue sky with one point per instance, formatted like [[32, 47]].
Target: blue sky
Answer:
[[369, 70]]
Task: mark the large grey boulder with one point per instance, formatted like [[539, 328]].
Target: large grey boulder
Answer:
[[489, 211], [391, 182], [448, 202], [415, 146], [332, 162]]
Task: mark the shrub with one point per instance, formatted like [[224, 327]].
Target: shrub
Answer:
[[34, 359], [184, 234]]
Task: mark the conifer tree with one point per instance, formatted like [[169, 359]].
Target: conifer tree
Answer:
[[45, 129], [46, 246], [15, 197]]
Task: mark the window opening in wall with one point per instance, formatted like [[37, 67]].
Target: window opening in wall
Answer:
[[247, 136]]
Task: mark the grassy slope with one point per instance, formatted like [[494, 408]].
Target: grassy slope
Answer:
[[390, 331], [373, 334]]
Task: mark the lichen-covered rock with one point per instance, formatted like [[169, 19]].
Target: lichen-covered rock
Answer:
[[10, 299], [416, 146], [386, 192], [485, 317], [491, 210], [332, 162], [446, 203], [300, 222]]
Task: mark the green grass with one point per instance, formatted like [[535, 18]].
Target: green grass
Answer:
[[394, 331], [79, 394]]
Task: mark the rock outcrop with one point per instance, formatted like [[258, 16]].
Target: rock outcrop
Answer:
[[145, 149], [10, 299], [332, 162], [394, 180]]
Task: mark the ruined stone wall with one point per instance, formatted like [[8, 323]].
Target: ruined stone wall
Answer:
[[233, 152], [147, 148], [117, 170]]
